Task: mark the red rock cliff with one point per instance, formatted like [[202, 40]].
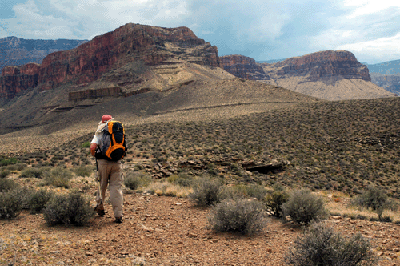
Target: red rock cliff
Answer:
[[325, 64], [90, 60], [243, 67]]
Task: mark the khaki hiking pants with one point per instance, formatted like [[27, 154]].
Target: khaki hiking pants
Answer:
[[110, 172]]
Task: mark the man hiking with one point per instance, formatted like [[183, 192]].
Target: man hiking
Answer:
[[109, 147]]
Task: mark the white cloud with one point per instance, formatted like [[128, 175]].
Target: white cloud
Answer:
[[382, 49], [270, 29], [364, 8]]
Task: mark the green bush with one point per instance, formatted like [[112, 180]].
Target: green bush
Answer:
[[256, 191], [320, 245], [206, 191], [233, 193], [7, 184], [242, 215], [86, 144], [10, 204], [24, 195], [182, 180], [38, 200], [373, 198], [4, 173], [134, 180], [72, 209], [275, 200], [304, 207], [58, 177], [8, 161], [16, 167], [83, 170], [32, 173]]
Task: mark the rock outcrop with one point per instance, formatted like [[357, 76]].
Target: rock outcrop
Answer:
[[331, 75], [324, 65], [243, 67], [89, 61]]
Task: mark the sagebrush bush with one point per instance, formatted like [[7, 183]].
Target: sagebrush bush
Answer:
[[206, 191], [32, 173], [38, 200], [7, 161], [256, 191], [320, 245], [83, 170], [230, 192], [4, 173], [10, 204], [304, 207], [134, 180], [58, 177], [241, 215], [275, 200], [24, 195], [373, 198], [72, 208], [7, 184], [16, 167], [182, 180]]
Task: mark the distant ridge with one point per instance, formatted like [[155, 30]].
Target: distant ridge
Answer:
[[18, 51], [329, 75], [387, 68], [272, 61]]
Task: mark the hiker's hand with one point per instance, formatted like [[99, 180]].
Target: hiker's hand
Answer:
[[93, 147]]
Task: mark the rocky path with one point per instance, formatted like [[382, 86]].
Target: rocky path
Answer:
[[160, 230]]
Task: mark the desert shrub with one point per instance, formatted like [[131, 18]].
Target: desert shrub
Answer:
[[320, 245], [182, 180], [8, 161], [275, 200], [10, 204], [206, 191], [304, 207], [255, 191], [241, 215], [16, 167], [373, 198], [58, 177], [134, 180], [83, 170], [24, 194], [234, 192], [71, 208], [32, 173], [7, 184], [86, 144], [38, 200], [4, 173]]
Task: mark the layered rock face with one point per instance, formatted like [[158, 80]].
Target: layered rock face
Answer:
[[243, 67], [331, 75], [17, 79], [129, 43], [324, 65]]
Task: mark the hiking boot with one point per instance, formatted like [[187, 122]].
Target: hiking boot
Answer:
[[118, 220], [99, 212]]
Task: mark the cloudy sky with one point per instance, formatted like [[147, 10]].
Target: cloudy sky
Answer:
[[261, 29]]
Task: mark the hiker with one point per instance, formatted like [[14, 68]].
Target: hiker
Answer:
[[108, 167]]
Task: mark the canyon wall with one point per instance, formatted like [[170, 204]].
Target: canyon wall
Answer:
[[87, 62]]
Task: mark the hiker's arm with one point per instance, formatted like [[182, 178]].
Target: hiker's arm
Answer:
[[93, 145], [93, 148]]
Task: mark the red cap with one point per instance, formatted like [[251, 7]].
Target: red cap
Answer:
[[105, 118]]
